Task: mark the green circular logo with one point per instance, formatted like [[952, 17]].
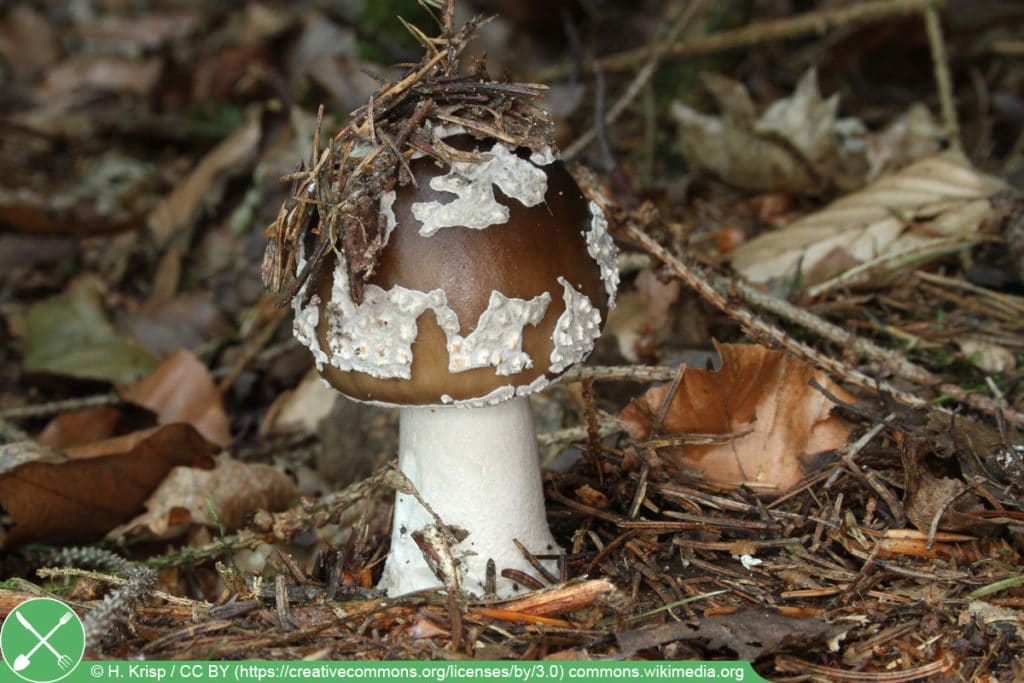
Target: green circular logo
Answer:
[[42, 640]]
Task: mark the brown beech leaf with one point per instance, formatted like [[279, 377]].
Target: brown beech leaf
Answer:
[[799, 143], [181, 321], [643, 316], [28, 41], [750, 632], [80, 427], [182, 390], [78, 495], [301, 408], [235, 489], [783, 425], [101, 74], [931, 499], [922, 209]]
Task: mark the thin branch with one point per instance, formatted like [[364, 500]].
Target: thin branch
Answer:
[[640, 80], [943, 79], [854, 345], [816, 23]]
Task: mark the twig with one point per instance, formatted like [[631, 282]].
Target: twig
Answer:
[[1011, 307], [809, 23], [606, 427], [534, 562], [868, 349], [56, 407], [116, 606], [620, 373], [853, 344], [564, 599], [789, 664], [639, 81], [869, 477], [253, 348], [282, 524], [943, 80], [761, 329], [517, 617], [99, 576]]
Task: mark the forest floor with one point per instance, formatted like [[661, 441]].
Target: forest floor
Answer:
[[820, 201]]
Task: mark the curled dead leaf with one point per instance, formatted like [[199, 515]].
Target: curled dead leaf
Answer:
[[70, 335], [750, 632], [989, 357], [301, 408], [181, 389], [933, 501], [234, 489], [927, 207], [785, 426], [792, 147], [799, 143], [80, 427], [76, 496]]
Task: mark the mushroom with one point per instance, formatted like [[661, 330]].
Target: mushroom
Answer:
[[494, 276]]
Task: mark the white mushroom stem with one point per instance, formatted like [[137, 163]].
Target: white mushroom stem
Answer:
[[478, 469]]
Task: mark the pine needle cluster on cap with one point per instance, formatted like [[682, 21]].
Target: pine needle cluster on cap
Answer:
[[334, 204]]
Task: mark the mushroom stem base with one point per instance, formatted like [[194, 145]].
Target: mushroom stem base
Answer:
[[478, 469]]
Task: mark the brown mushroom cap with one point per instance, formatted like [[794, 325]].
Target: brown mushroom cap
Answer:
[[522, 258]]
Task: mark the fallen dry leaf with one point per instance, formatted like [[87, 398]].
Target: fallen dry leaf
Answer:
[[798, 144], [928, 203], [765, 395], [987, 356], [98, 73], [182, 390], [78, 495], [80, 427], [71, 335], [184, 321], [301, 408], [64, 201], [750, 633], [642, 317], [179, 390], [138, 34], [930, 495], [28, 42], [234, 489]]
